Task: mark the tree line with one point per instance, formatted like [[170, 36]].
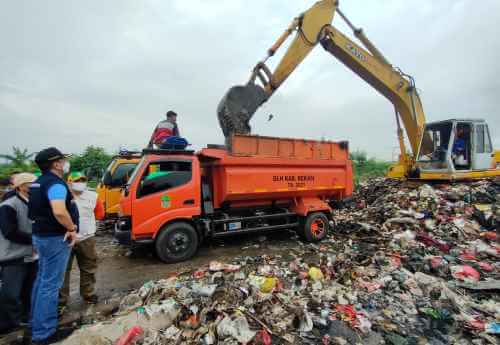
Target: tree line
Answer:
[[93, 162]]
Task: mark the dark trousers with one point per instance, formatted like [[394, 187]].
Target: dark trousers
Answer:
[[15, 294]]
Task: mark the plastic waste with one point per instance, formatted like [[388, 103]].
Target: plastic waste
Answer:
[[428, 240], [347, 313], [475, 325], [489, 235], [198, 274], [493, 328], [216, 266], [264, 284], [145, 289], [204, 290], [316, 274], [268, 285], [465, 273], [131, 336], [236, 328], [306, 322], [485, 266], [262, 338]]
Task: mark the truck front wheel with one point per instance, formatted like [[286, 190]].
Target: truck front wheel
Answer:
[[176, 242], [314, 227]]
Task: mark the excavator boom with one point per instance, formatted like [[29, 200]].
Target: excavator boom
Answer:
[[313, 27], [446, 150], [397, 87]]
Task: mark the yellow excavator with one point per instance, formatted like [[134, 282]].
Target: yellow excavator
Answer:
[[455, 149]]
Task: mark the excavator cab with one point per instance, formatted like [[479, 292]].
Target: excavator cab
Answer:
[[455, 147]]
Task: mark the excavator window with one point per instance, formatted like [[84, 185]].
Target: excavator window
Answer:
[[461, 150], [434, 149], [483, 140], [488, 147]]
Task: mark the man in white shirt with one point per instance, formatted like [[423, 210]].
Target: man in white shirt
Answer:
[[90, 209]]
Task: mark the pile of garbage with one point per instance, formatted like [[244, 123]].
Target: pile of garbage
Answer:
[[406, 264]]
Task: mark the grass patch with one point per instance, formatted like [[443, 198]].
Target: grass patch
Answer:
[[365, 168]]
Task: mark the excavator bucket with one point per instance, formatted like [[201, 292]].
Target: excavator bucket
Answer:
[[237, 107]]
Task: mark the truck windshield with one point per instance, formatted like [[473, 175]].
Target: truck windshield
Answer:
[[106, 178], [161, 176], [122, 173], [435, 144], [136, 169]]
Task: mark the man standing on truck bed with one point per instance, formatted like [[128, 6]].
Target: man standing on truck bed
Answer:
[[166, 128]]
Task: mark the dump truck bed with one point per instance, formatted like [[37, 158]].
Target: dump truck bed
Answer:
[[261, 170]]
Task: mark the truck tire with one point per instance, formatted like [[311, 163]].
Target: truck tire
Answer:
[[314, 227], [177, 242]]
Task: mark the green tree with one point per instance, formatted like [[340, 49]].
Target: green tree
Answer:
[[18, 160], [359, 157], [93, 161], [365, 167]]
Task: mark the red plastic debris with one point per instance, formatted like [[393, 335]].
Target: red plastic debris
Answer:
[[198, 274], [437, 261], [130, 336], [347, 313], [429, 241], [486, 266], [468, 255], [262, 338], [489, 235], [476, 325], [465, 272], [395, 261], [370, 286]]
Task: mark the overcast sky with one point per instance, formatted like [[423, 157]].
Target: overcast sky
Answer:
[[77, 73]]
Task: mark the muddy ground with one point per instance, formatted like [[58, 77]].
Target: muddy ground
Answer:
[[121, 270]]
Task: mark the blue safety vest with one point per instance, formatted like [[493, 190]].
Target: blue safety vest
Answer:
[[40, 210]]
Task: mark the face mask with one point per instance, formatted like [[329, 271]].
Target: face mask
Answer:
[[79, 186], [66, 167]]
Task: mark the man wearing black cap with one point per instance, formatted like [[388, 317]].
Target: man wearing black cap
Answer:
[[55, 219]]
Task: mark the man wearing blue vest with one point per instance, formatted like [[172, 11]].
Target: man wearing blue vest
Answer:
[[55, 219]]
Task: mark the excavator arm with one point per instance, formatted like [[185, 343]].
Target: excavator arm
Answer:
[[313, 27], [397, 87]]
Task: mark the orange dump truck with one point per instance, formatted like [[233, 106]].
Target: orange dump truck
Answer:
[[176, 199]]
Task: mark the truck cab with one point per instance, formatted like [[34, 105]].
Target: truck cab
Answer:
[[456, 148], [176, 198], [113, 180]]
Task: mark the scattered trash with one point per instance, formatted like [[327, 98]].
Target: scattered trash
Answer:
[[204, 290], [131, 336], [316, 274], [493, 328], [406, 264], [236, 328], [465, 273]]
